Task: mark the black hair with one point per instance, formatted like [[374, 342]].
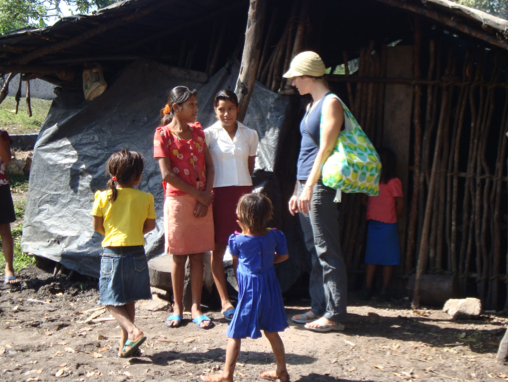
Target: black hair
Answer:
[[388, 163], [254, 211], [125, 166], [223, 95], [178, 95]]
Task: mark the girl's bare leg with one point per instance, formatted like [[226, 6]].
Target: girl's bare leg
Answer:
[[232, 354], [8, 249], [280, 357], [387, 276], [177, 279], [121, 314], [219, 277], [124, 336], [196, 275]]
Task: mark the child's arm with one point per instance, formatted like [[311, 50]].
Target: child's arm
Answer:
[[98, 224], [5, 150], [399, 205], [201, 210], [148, 225], [280, 258]]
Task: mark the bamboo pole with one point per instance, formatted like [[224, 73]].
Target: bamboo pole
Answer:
[[417, 111], [250, 57], [28, 102], [430, 199]]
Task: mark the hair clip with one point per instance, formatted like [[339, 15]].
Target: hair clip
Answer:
[[166, 110], [114, 179]]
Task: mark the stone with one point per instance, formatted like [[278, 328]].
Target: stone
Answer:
[[463, 308], [160, 292], [154, 305]]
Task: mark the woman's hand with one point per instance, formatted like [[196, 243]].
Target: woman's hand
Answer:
[[201, 210], [305, 200], [293, 205], [205, 197]]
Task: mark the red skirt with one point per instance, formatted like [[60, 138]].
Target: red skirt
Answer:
[[224, 211]]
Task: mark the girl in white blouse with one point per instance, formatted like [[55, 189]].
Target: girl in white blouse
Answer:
[[233, 148]]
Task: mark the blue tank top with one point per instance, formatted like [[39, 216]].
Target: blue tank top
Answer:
[[308, 148]]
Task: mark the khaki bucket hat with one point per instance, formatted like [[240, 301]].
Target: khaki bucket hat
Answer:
[[306, 64]]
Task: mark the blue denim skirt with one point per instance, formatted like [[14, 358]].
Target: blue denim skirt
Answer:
[[124, 276]]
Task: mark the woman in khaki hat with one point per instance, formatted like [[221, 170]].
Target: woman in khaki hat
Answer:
[[318, 214]]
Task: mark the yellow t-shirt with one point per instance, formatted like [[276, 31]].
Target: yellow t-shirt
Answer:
[[124, 218]]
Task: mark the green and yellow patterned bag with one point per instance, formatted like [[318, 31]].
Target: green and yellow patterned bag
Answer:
[[354, 165]]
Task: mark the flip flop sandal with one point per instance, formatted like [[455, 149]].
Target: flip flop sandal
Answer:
[[173, 317], [8, 279], [327, 328], [304, 318], [228, 314], [198, 320], [134, 345], [271, 375]]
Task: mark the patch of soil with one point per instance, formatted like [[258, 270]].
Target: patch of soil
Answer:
[[52, 328]]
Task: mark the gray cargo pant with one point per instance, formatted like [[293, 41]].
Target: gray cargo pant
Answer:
[[328, 278]]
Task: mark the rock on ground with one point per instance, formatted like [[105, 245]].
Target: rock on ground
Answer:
[[463, 308]]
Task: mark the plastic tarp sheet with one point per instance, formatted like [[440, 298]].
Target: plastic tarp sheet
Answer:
[[78, 137]]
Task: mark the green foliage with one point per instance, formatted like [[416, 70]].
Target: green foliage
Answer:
[[21, 123], [497, 8], [16, 14], [19, 184]]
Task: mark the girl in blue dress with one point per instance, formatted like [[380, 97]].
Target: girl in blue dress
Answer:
[[260, 305]]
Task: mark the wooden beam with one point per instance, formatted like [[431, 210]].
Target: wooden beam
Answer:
[[54, 48], [251, 55], [62, 73], [185, 25], [451, 22]]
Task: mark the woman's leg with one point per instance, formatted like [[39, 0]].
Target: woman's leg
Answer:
[[369, 276], [280, 357], [196, 275], [387, 277], [177, 279], [219, 276], [8, 249]]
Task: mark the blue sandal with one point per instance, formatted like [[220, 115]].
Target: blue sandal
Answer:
[[198, 320], [8, 279], [228, 314], [133, 347], [173, 317]]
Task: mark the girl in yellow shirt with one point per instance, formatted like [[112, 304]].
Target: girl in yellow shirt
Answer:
[[123, 215]]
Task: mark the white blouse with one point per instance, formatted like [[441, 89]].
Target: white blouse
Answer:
[[231, 157]]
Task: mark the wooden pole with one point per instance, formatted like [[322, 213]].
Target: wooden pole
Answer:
[[417, 115], [28, 103], [302, 26], [5, 87], [268, 40], [218, 46], [251, 54], [430, 201], [18, 96]]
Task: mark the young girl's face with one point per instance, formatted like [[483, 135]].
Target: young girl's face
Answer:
[[187, 111], [226, 112]]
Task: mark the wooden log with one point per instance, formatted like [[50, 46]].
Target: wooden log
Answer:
[[381, 98], [349, 87], [463, 98], [302, 27], [434, 289], [250, 57], [218, 47], [430, 199], [496, 202], [5, 87], [268, 39], [452, 22], [17, 97], [28, 102], [417, 114]]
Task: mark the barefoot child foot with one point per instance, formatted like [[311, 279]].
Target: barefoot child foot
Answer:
[[273, 375]]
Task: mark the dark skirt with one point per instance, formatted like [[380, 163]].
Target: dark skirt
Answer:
[[124, 276], [7, 214], [382, 244], [224, 211]]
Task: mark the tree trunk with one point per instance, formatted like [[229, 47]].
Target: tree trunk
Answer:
[[251, 54]]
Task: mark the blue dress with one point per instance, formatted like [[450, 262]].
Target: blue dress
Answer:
[[260, 305]]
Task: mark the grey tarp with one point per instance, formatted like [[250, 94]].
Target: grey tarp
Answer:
[[78, 137]]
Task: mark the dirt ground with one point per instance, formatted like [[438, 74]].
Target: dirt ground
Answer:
[[44, 336]]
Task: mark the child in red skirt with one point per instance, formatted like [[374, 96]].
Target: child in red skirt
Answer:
[[233, 149]]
